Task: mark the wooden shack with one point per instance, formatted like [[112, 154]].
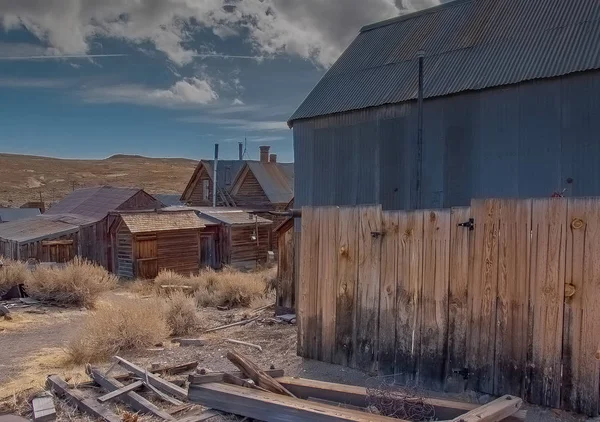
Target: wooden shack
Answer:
[[286, 288], [146, 242]]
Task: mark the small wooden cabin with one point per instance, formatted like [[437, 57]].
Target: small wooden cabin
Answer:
[[286, 288], [146, 242]]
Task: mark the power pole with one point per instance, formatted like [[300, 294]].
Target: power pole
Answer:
[[215, 185]]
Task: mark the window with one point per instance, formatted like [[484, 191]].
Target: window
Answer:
[[205, 192]]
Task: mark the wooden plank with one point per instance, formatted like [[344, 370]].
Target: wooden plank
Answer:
[[43, 408], [232, 379], [347, 276], [233, 324], [547, 300], [326, 297], [494, 411], [84, 404], [218, 376], [433, 306], [408, 289], [308, 282], [369, 267], [271, 407], [252, 371], [512, 309], [460, 238], [123, 390], [156, 381], [357, 396], [175, 369], [204, 416], [581, 339], [483, 286], [387, 289], [131, 399]]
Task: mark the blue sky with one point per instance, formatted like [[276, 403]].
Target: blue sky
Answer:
[[169, 78]]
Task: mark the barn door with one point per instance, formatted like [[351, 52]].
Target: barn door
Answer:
[[208, 251], [146, 256], [57, 251]]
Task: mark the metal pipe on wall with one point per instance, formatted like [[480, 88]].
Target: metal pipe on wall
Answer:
[[418, 195], [215, 186]]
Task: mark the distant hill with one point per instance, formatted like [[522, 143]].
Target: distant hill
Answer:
[[23, 177]]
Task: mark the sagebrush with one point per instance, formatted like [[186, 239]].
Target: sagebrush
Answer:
[[181, 314], [78, 283], [12, 273], [124, 325]]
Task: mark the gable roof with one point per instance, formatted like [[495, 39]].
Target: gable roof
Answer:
[[467, 44], [93, 202], [227, 171], [155, 221], [275, 179], [12, 214]]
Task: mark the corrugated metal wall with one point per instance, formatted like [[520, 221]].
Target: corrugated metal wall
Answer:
[[516, 141]]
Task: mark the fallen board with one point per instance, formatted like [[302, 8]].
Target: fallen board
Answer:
[[218, 376], [43, 408], [84, 404], [357, 396], [131, 399], [156, 381], [123, 390], [494, 411], [270, 407], [175, 369]]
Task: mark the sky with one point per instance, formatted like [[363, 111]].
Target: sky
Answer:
[[167, 78]]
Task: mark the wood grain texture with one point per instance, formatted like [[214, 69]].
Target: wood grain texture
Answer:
[[154, 380], [547, 299], [460, 238], [494, 411], [433, 306], [581, 339], [252, 371], [408, 291], [326, 295], [369, 267], [512, 316], [483, 284], [346, 285]]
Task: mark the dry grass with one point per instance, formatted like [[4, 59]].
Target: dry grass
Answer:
[[12, 273], [79, 283], [181, 314], [125, 325]]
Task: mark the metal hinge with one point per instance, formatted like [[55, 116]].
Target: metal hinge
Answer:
[[469, 224]]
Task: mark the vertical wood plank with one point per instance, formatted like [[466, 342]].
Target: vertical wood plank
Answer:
[[457, 301], [308, 282], [347, 277], [327, 262], [547, 292], [433, 307], [369, 267], [408, 290], [387, 302], [483, 280], [513, 297], [581, 339]]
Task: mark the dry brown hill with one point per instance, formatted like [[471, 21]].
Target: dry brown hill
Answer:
[[23, 177]]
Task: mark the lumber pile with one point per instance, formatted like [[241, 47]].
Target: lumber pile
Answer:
[[269, 396]]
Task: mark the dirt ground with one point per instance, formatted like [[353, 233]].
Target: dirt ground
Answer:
[[32, 346]]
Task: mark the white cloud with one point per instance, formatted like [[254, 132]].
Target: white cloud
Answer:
[[237, 102], [317, 30], [238, 124], [185, 93]]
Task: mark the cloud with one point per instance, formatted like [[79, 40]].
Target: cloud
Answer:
[[238, 124], [237, 102], [188, 92], [316, 30]]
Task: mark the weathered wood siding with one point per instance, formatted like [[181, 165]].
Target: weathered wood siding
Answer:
[[250, 193], [244, 251], [42, 252], [94, 243], [124, 252], [509, 307], [140, 201], [286, 294], [197, 194], [179, 251]]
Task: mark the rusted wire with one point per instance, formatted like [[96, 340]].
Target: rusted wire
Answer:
[[387, 397]]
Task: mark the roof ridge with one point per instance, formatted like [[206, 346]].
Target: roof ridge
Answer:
[[433, 9]]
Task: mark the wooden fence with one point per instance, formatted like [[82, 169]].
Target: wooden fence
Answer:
[[510, 306]]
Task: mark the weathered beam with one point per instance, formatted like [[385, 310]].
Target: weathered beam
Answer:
[[233, 324], [123, 390], [131, 399], [218, 376], [357, 396], [84, 404], [243, 343], [156, 381], [175, 369], [252, 371], [270, 407], [232, 379], [494, 411]]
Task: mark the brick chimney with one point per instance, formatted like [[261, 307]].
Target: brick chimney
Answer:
[[273, 158], [264, 153]]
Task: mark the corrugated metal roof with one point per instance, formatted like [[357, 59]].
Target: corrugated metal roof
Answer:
[[468, 45], [93, 202], [276, 180], [226, 215], [144, 222], [13, 214]]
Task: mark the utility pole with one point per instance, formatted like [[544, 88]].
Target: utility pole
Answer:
[[215, 186]]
